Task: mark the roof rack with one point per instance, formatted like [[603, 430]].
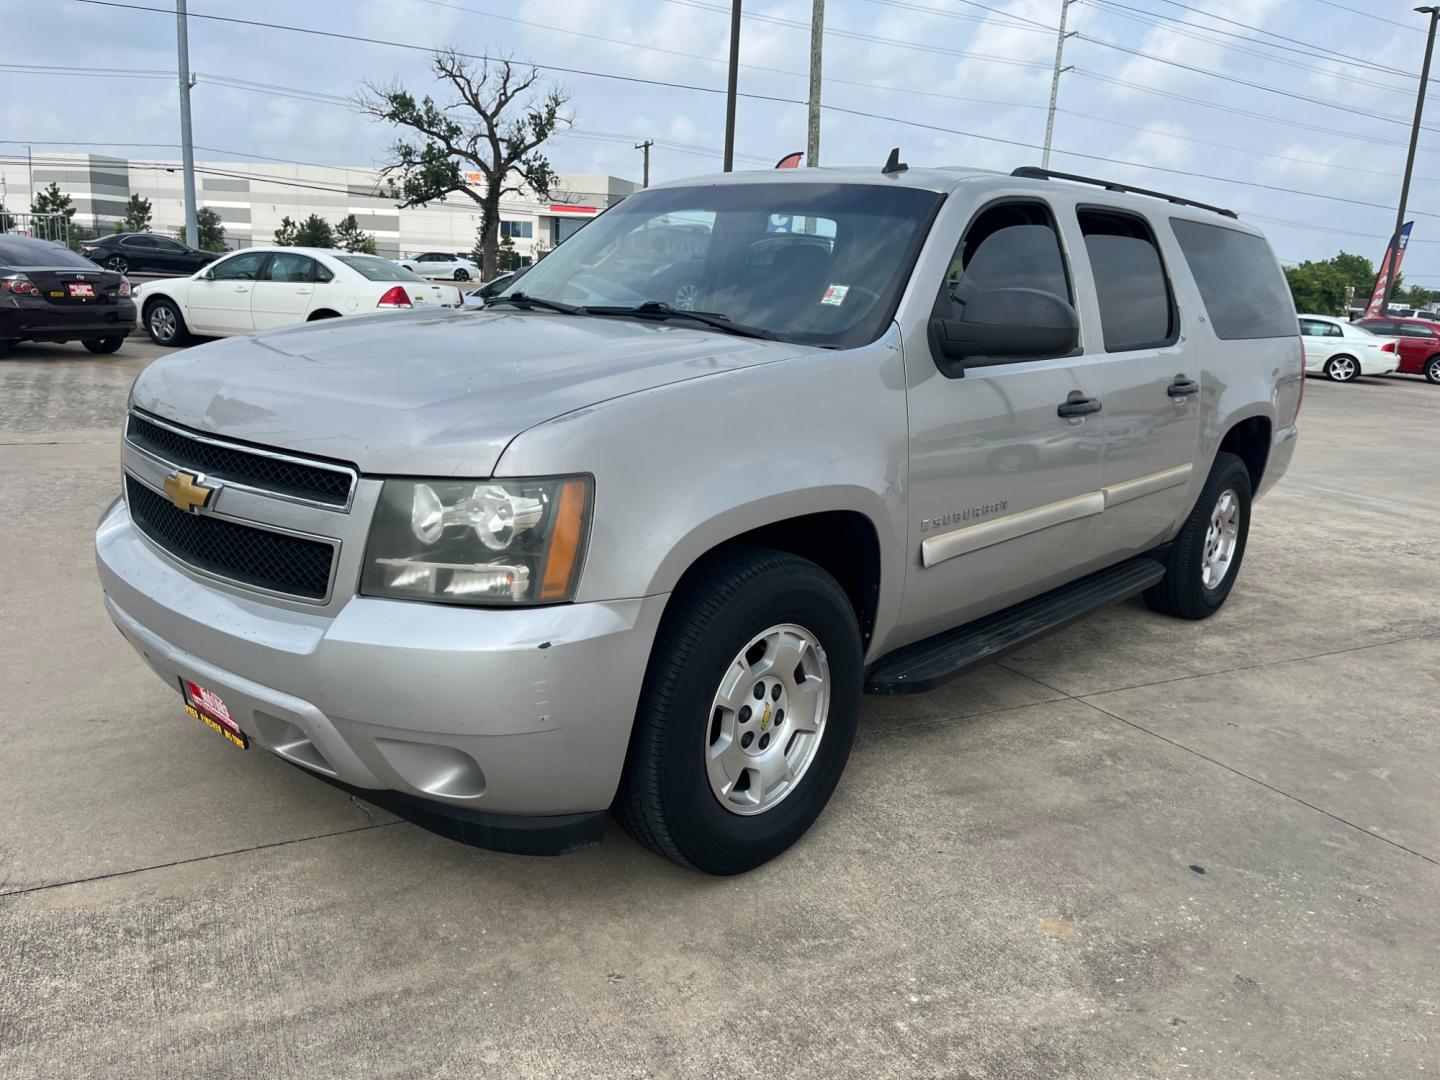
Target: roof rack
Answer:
[[1032, 172]]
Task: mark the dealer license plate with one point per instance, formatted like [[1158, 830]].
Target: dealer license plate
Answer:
[[206, 706], [82, 290]]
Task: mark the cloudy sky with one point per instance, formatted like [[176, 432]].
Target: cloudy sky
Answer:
[[1247, 103]]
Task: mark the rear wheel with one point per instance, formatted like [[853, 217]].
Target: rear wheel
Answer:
[[118, 263], [1342, 368], [1432, 369], [1205, 556], [104, 344], [747, 715], [165, 324]]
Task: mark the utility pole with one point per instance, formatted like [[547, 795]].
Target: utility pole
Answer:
[[817, 34], [1060, 37], [730, 90], [644, 148], [1392, 253], [187, 145]]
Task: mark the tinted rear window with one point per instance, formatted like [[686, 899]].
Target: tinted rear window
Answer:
[[23, 253], [1245, 293], [378, 269]]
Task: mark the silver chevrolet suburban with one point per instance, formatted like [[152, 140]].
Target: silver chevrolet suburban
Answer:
[[636, 537]]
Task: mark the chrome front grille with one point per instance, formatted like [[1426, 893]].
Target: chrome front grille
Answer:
[[328, 484], [287, 526]]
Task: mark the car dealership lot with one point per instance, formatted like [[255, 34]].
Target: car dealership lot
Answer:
[[1141, 848]]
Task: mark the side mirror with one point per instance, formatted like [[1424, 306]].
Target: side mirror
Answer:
[[208, 275], [1004, 324]]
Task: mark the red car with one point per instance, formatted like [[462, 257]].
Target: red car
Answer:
[[1418, 340]]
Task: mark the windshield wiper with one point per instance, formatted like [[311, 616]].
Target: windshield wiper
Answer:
[[521, 299], [658, 309]]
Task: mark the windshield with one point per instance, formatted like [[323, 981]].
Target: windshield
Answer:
[[378, 269], [816, 263]]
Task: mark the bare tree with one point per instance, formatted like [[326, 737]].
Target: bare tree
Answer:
[[479, 132]]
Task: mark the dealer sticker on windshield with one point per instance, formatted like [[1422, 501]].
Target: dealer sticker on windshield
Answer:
[[835, 295]]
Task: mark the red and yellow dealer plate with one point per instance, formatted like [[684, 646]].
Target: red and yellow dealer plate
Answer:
[[206, 706]]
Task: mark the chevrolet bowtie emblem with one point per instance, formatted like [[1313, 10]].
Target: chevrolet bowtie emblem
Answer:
[[188, 491]]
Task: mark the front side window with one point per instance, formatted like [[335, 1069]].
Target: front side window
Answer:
[[286, 266], [1244, 290], [1137, 310], [243, 267], [1010, 246]]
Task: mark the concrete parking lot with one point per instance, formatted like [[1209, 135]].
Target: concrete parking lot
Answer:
[[1142, 848]]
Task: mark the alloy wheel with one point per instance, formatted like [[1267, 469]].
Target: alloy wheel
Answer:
[[767, 719], [1343, 369], [162, 323], [686, 297], [1220, 539]]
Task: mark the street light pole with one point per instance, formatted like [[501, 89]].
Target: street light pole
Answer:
[[187, 146], [1393, 251], [730, 90], [1060, 37]]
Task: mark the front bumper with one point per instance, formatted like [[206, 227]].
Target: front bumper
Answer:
[[467, 713]]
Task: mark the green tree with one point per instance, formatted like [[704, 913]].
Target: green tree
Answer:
[[315, 232], [209, 230], [478, 131], [52, 201], [286, 233], [137, 215], [507, 258], [1417, 296], [1318, 287], [351, 237]]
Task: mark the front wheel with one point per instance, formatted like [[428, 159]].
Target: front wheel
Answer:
[[747, 714], [1342, 369], [105, 344], [1205, 556], [462, 274], [165, 324], [1432, 369]]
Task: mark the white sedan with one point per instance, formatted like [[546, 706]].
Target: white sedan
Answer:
[[260, 288], [1343, 351], [442, 264]]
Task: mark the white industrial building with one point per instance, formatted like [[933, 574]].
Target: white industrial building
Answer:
[[252, 198]]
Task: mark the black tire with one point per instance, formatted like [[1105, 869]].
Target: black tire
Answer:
[[118, 263], [105, 344], [180, 334], [1337, 373], [665, 801], [1432, 370], [1183, 592], [462, 274]]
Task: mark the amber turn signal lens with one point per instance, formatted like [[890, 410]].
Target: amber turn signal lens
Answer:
[[563, 559]]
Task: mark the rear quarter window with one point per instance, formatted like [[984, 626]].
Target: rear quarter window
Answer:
[[1245, 293]]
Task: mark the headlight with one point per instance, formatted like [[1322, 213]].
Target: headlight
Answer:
[[478, 541]]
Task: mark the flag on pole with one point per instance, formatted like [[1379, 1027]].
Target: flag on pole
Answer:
[[1389, 268]]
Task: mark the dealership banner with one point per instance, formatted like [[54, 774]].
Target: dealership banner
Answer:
[[1389, 268]]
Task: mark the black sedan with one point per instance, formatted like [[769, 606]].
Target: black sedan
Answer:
[[146, 253], [48, 293]]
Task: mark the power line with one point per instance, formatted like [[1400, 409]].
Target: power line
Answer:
[[1371, 15]]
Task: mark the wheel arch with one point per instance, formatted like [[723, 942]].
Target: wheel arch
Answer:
[[322, 313], [844, 543], [1249, 440]]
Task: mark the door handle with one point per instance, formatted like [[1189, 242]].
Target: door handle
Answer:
[[1182, 387], [1078, 405], [303, 292], [242, 288]]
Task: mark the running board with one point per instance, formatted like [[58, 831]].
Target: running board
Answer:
[[935, 660]]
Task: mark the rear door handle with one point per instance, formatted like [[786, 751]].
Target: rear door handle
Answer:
[[1182, 387], [242, 288], [1079, 406]]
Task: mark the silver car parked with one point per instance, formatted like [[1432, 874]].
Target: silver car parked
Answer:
[[584, 550]]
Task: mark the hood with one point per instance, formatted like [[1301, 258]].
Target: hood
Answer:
[[434, 394]]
